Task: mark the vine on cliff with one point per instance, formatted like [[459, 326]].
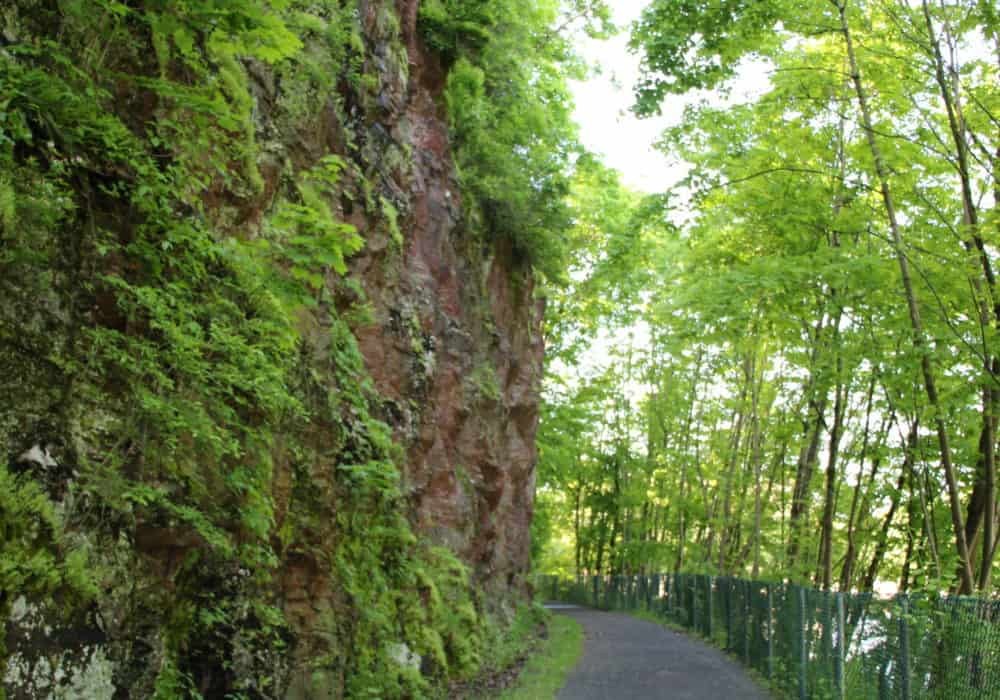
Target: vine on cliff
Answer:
[[511, 113]]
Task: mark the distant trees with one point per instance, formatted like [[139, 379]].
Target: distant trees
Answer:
[[817, 397]]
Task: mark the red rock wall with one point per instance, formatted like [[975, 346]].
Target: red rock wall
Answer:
[[456, 345]]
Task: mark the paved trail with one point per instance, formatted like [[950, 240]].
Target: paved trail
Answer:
[[625, 658]]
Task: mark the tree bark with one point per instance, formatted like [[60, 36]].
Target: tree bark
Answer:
[[826, 540], [919, 339], [809, 453], [989, 311], [883, 538], [847, 569]]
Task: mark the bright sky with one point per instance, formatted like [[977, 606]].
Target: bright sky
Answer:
[[602, 109], [608, 128]]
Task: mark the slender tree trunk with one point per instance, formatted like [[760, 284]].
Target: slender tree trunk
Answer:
[[847, 570], [808, 455], [735, 441], [612, 541], [989, 309], [826, 540], [602, 534], [682, 510], [576, 527], [926, 514], [904, 575], [756, 459], [919, 339], [882, 543]]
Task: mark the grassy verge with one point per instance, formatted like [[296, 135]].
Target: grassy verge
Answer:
[[548, 667]]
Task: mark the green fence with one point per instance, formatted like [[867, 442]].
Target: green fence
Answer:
[[818, 644]]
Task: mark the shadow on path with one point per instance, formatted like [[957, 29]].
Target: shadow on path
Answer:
[[625, 658]]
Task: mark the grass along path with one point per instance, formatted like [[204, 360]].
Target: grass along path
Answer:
[[549, 666]]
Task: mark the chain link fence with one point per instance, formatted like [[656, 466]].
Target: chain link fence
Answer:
[[814, 644]]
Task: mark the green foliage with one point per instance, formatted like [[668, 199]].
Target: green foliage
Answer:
[[485, 382], [425, 603], [510, 113], [36, 558], [186, 358], [691, 44], [452, 28], [757, 404], [550, 664], [614, 232], [306, 234]]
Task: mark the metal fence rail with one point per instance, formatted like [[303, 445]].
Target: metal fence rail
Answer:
[[817, 644]]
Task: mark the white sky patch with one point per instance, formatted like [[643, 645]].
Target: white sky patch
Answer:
[[610, 129], [607, 126], [626, 143]]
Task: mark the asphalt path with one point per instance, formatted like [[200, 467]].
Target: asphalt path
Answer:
[[625, 658]]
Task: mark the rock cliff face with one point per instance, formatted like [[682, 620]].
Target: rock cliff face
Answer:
[[456, 346], [448, 330]]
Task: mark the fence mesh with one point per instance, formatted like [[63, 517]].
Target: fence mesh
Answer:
[[820, 644]]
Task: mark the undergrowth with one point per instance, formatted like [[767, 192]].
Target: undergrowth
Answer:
[[550, 663]]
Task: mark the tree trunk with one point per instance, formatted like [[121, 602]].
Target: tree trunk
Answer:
[[882, 543], [919, 340], [826, 540], [808, 455], [847, 570], [949, 91], [735, 441], [682, 510]]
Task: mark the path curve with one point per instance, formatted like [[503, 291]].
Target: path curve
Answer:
[[625, 658]]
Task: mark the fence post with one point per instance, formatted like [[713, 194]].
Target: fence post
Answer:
[[803, 695], [827, 663], [883, 682], [747, 626], [684, 599], [904, 648], [840, 653], [708, 606], [694, 603], [730, 645], [684, 604], [770, 632]]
